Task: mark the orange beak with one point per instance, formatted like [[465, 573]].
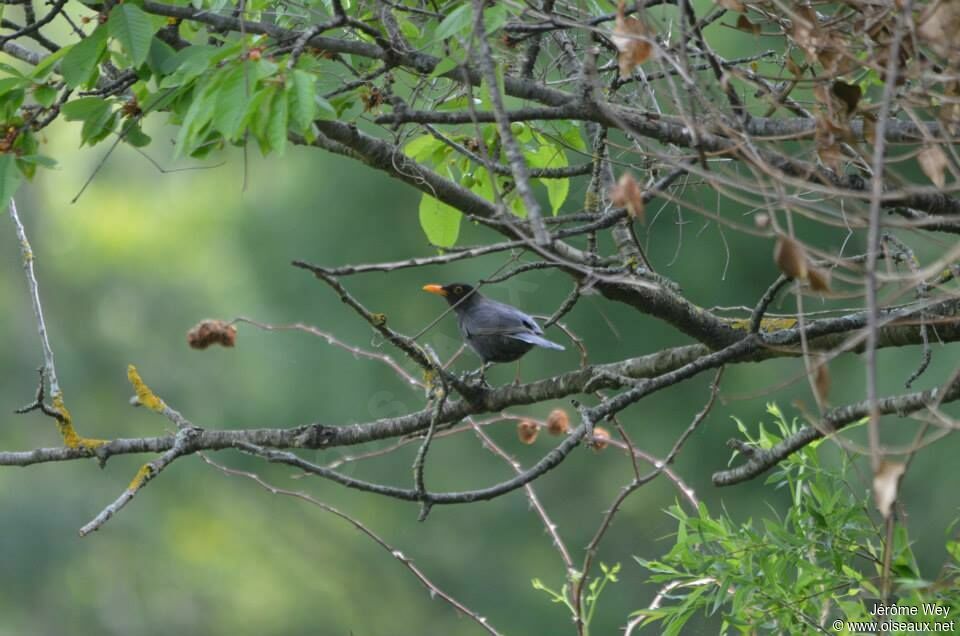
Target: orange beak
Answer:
[[435, 289]]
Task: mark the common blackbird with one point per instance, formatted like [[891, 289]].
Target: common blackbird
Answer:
[[495, 331]]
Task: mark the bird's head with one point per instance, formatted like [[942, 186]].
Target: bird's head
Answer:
[[454, 292]]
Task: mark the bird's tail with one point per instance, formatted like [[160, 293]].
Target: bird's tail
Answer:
[[540, 341]]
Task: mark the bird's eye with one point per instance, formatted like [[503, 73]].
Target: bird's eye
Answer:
[[458, 290]]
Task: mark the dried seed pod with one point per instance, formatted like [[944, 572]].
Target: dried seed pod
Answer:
[[601, 437], [558, 423], [627, 194], [209, 332], [527, 431]]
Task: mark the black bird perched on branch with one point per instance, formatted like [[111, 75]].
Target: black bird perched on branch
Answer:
[[495, 331]]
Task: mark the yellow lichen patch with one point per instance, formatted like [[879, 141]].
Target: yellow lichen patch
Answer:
[[71, 439], [768, 325], [143, 475], [379, 320], [144, 394]]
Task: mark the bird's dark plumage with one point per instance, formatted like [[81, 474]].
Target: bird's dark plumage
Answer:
[[497, 332]]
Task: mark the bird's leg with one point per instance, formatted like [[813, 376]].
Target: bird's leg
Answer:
[[480, 374], [483, 374], [516, 378]]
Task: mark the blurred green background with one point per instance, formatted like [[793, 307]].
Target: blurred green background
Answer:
[[144, 255]]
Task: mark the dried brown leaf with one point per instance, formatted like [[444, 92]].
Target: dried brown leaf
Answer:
[[819, 279], [821, 379], [790, 257], [627, 194], [632, 40], [795, 69], [886, 483], [849, 94], [746, 25], [933, 162], [870, 128], [732, 5]]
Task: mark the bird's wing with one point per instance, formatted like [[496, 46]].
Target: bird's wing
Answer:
[[494, 318], [532, 338]]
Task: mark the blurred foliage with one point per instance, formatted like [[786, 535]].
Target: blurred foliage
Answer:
[[819, 562]]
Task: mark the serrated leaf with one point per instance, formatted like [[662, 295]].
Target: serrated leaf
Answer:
[[45, 95], [550, 156], [197, 117], [231, 102], [161, 57], [46, 64], [455, 22], [420, 148], [131, 26], [440, 222], [187, 64], [38, 160], [303, 101], [10, 178], [80, 63], [445, 65], [84, 108], [134, 135], [277, 126]]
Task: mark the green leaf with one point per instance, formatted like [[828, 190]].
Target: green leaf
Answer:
[[187, 64], [231, 102], [445, 65], [134, 135], [161, 57], [277, 126], [132, 27], [550, 156], [84, 108], [80, 63], [440, 222], [45, 95], [10, 178], [46, 65], [303, 101], [420, 148], [197, 117], [455, 22], [38, 160]]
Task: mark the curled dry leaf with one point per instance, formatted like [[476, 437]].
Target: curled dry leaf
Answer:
[[819, 279], [870, 128], [627, 194], [933, 162], [631, 37], [209, 332], [886, 483], [848, 94], [601, 437], [821, 379], [938, 26], [527, 431], [746, 25], [791, 258], [732, 5], [558, 423]]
